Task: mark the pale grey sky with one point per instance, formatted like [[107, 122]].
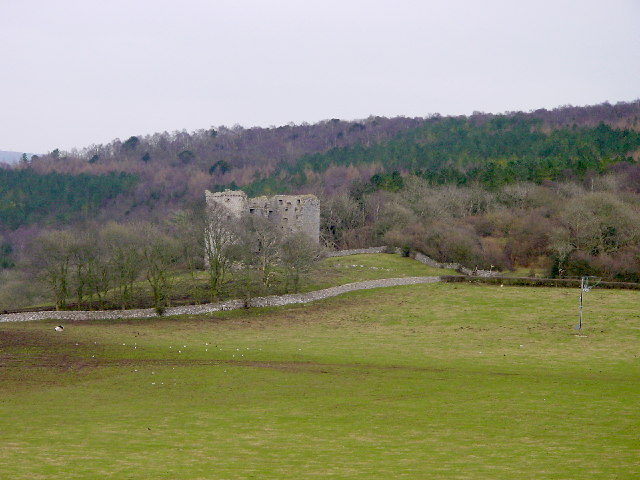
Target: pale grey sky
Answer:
[[77, 72]]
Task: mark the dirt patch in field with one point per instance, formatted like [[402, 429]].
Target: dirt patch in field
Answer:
[[284, 366], [39, 348], [44, 349], [18, 338], [63, 361]]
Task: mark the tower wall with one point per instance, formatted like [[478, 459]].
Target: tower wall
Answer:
[[234, 201], [292, 213]]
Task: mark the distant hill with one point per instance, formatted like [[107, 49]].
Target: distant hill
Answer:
[[495, 152], [12, 157], [173, 169], [28, 197], [552, 190]]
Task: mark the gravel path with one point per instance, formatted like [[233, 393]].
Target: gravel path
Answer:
[[270, 301]]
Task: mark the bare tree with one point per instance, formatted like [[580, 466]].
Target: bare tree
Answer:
[[218, 238], [259, 242], [122, 247], [160, 255], [599, 223], [339, 215], [50, 260], [82, 261], [188, 227], [100, 273], [298, 255]]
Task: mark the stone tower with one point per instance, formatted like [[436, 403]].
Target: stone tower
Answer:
[[234, 201], [292, 213]]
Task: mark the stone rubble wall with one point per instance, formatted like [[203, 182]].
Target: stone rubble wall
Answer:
[[454, 266], [357, 251], [420, 258], [270, 301]]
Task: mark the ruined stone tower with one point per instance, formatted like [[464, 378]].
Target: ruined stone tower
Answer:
[[292, 213]]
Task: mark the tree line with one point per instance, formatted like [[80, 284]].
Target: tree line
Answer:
[[172, 169], [558, 229], [358, 169], [495, 152], [494, 149], [108, 266], [28, 197]]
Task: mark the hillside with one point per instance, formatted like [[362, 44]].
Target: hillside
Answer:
[[28, 197], [549, 190], [494, 152], [326, 158]]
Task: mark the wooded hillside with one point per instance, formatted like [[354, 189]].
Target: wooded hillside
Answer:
[[554, 190]]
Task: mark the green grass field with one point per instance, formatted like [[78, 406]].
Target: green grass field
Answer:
[[356, 268], [440, 381]]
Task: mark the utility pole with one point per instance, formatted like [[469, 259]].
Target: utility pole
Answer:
[[584, 288]]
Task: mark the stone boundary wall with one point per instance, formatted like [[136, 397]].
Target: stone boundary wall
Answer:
[[420, 258], [273, 300], [270, 301], [453, 266], [357, 251]]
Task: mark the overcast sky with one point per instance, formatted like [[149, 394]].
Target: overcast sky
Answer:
[[77, 72]]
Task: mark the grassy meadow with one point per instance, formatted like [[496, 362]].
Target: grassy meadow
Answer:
[[356, 268], [439, 381]]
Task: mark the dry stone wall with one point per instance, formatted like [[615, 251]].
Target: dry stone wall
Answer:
[[454, 266], [420, 258], [273, 300], [270, 301], [357, 251]]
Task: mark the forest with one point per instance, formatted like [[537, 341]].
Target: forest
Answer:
[[27, 197], [548, 192], [459, 151]]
